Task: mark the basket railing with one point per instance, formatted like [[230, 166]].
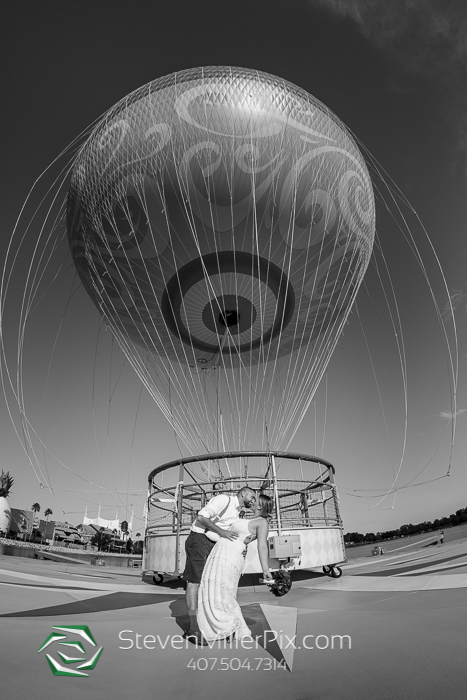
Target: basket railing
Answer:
[[302, 503]]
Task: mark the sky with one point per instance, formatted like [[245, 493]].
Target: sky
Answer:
[[395, 74]]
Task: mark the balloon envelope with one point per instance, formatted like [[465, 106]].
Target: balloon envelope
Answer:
[[221, 220]]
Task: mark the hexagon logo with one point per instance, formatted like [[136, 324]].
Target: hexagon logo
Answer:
[[73, 651]]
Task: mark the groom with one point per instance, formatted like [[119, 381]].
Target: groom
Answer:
[[216, 517]]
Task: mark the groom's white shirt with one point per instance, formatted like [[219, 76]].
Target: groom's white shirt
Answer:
[[214, 507]]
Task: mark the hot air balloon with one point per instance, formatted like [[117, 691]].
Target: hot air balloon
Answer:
[[221, 220]]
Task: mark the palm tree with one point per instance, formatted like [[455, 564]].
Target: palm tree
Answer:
[[138, 545], [35, 509], [47, 512], [6, 482]]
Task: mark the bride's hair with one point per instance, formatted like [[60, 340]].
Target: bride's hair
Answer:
[[266, 505]]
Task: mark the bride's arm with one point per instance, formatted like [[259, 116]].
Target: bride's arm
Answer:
[[262, 535]]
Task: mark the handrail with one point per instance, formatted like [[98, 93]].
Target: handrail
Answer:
[[232, 455]]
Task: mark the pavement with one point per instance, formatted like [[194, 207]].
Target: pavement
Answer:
[[392, 627]]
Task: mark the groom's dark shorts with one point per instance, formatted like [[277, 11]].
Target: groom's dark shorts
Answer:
[[197, 548]]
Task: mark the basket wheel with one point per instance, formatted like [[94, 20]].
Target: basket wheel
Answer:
[[334, 571]]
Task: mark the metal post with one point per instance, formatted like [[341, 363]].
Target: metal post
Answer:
[[306, 514], [276, 495], [179, 518], [335, 497], [146, 520]]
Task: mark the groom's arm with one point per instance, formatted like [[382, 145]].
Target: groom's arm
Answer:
[[212, 510], [202, 521]]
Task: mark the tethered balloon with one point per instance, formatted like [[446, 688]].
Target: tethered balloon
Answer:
[[222, 219]]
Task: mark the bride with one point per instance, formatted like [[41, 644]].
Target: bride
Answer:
[[219, 614]]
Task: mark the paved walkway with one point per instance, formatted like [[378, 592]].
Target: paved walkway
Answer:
[[390, 627]]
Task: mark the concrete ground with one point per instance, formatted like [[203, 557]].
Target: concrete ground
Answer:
[[392, 627]]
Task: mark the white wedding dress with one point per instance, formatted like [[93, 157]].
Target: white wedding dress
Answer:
[[219, 614]]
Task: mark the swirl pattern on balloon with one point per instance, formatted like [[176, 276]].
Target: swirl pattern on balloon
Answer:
[[222, 219]]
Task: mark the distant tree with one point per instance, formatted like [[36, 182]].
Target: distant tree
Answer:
[[35, 509], [48, 512], [355, 537], [138, 547], [101, 540], [6, 482]]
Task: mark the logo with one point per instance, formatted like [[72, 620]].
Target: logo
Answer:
[[72, 652]]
